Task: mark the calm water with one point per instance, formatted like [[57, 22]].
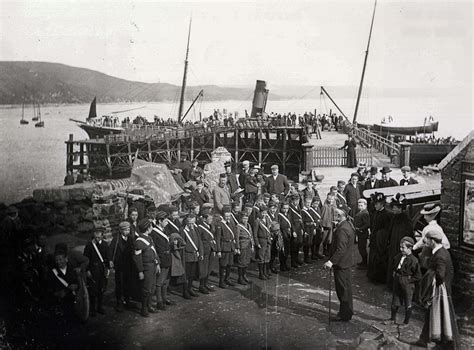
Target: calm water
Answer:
[[35, 157]]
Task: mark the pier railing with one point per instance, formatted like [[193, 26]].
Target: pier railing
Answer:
[[335, 157], [375, 141]]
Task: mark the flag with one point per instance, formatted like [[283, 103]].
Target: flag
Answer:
[[155, 180]]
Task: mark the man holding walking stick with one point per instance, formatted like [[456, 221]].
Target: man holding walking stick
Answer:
[[340, 260]]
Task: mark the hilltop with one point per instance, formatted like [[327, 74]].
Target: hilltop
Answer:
[[58, 83]]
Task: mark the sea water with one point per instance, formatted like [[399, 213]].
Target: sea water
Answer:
[[33, 157]]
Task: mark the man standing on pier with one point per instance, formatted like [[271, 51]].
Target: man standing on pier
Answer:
[[386, 181], [277, 183], [221, 194], [340, 259]]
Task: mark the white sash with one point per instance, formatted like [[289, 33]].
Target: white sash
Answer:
[[264, 226], [248, 232], [294, 211], [172, 224], [317, 214], [235, 219], [63, 282], [286, 219], [208, 231], [161, 233], [148, 244], [309, 215], [186, 231], [225, 223], [98, 253], [342, 197]]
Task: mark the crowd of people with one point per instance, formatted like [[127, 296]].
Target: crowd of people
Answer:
[[248, 218]]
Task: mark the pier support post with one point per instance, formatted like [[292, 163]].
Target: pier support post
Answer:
[[149, 150], [213, 140], [179, 151], [283, 134], [70, 155], [168, 152], [109, 159], [192, 147], [308, 156], [404, 156], [260, 134]]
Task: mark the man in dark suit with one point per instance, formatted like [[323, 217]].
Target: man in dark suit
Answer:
[[340, 259], [441, 265], [277, 183], [352, 194], [386, 181], [201, 195]]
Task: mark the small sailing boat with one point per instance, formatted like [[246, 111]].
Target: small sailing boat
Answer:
[[23, 121], [40, 123]]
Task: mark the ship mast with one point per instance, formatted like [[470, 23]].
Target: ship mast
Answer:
[[363, 69], [183, 87]]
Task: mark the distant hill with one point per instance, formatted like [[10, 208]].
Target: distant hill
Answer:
[[58, 83]]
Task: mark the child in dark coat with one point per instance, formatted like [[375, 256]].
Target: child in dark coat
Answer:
[[406, 272]]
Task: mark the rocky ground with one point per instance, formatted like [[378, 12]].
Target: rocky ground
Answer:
[[290, 311]]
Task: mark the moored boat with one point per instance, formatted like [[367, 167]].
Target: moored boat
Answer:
[[385, 130]]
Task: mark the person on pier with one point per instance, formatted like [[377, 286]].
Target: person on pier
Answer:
[[277, 183], [350, 145], [193, 252], [340, 260], [200, 194], [386, 180], [362, 226], [207, 233], [246, 247], [221, 194], [407, 178], [263, 241], [352, 193], [226, 246]]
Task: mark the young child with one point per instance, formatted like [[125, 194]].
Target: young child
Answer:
[[406, 273]]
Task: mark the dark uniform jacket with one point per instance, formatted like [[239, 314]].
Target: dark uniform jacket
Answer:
[[309, 220], [306, 193], [232, 182], [244, 237], [278, 186], [362, 223], [96, 266], [352, 195], [121, 253], [162, 245], [251, 184], [409, 272], [261, 232], [285, 225], [225, 237], [173, 227], [54, 285], [297, 222], [440, 262], [207, 234], [316, 214], [341, 247], [146, 256], [193, 244], [341, 202]]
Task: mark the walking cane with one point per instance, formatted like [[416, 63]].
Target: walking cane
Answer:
[[330, 293]]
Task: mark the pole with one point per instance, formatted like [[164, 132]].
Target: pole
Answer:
[[330, 294], [201, 93], [363, 69], [335, 104], [183, 86]]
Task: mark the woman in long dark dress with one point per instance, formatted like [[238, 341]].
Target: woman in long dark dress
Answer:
[[351, 145]]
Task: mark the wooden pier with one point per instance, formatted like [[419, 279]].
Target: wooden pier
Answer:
[[112, 156]]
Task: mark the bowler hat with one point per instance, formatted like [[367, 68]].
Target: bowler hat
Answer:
[[386, 170], [373, 170]]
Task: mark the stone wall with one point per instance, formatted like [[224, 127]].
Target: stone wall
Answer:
[[74, 210], [463, 258]]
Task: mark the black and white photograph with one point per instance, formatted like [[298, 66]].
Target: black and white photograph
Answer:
[[273, 174]]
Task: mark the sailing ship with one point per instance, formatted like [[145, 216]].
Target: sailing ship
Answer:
[[23, 121], [97, 130]]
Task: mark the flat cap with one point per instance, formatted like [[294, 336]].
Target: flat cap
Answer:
[[405, 168], [408, 239], [246, 162], [274, 166], [434, 234], [226, 209], [161, 215], [144, 224], [124, 225]]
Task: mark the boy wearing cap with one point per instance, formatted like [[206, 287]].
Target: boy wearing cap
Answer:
[[200, 194], [163, 248], [407, 179], [309, 226], [226, 246], [296, 241], [193, 252], [263, 240], [121, 260], [147, 263], [246, 247], [400, 227], [315, 212], [406, 272], [97, 271], [207, 234], [251, 186], [284, 219]]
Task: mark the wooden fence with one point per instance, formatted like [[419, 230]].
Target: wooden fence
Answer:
[[335, 157]]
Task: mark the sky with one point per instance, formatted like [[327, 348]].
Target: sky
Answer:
[[415, 44]]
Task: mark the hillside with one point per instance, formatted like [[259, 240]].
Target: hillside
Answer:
[[59, 83]]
